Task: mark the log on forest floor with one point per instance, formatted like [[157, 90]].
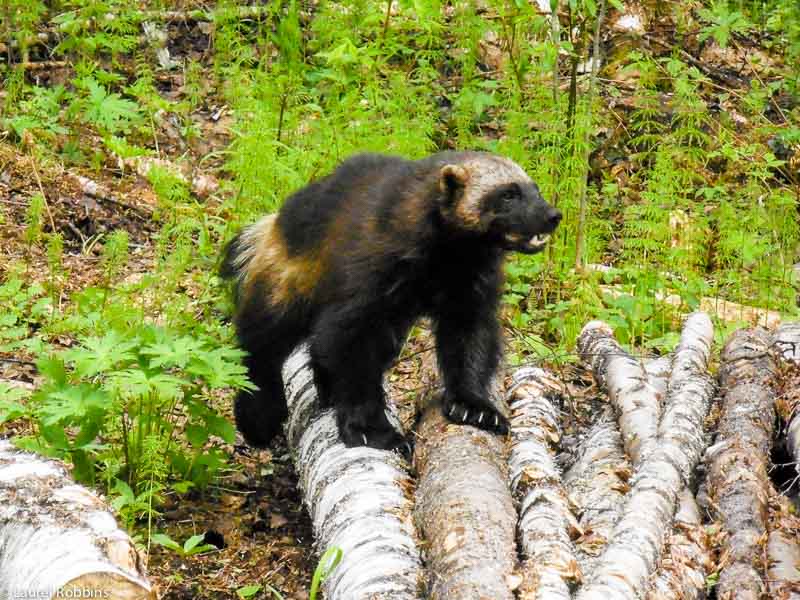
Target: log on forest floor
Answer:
[[359, 499], [464, 510], [738, 462], [621, 523], [664, 452], [57, 537], [546, 525]]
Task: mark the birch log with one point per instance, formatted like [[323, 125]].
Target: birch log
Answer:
[[359, 499], [58, 539], [546, 525], [686, 560], [783, 551], [787, 342], [738, 462], [464, 510], [665, 467], [628, 386], [597, 484]]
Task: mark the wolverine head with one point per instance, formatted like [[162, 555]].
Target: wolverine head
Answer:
[[492, 196]]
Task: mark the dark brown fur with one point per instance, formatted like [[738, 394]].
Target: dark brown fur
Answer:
[[352, 260]]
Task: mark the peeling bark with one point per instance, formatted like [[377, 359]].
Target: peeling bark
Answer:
[[359, 499], [57, 537], [665, 466], [783, 570], [687, 558], [464, 510], [546, 524], [738, 462], [787, 342], [597, 484], [783, 551], [628, 387]]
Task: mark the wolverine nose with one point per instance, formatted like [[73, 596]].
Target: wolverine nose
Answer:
[[553, 217]]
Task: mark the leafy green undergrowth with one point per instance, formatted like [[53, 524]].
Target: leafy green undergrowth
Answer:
[[132, 404]]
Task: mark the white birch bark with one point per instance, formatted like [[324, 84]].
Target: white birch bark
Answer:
[[625, 380], [359, 499], [665, 464], [686, 560], [546, 525], [787, 342], [597, 484], [57, 537], [464, 510]]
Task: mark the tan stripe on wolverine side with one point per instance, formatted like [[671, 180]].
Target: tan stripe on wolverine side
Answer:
[[263, 256]]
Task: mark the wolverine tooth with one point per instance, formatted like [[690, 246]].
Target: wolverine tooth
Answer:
[[480, 417], [464, 418], [539, 239], [364, 437], [452, 408]]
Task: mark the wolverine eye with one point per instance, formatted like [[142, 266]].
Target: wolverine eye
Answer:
[[509, 194]]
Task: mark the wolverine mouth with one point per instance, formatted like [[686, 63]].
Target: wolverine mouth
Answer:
[[539, 240], [516, 243]]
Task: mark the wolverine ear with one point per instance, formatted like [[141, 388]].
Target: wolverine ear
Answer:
[[452, 179]]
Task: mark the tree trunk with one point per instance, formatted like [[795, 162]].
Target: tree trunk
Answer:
[[546, 526], [663, 465], [738, 462], [358, 498], [464, 510], [57, 537]]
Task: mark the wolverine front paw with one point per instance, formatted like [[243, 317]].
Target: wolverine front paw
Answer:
[[483, 416], [356, 433]]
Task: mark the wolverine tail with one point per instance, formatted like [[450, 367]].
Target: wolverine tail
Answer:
[[238, 255]]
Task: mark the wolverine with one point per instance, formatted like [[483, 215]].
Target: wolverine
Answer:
[[352, 260]]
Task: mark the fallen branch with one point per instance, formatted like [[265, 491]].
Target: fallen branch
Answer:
[[628, 387], [597, 484], [625, 567], [58, 538], [546, 526], [93, 189], [464, 510], [783, 551], [724, 310], [687, 558], [201, 185], [358, 498], [737, 463]]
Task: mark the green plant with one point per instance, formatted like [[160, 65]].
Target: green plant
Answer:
[[327, 563], [723, 23], [190, 547]]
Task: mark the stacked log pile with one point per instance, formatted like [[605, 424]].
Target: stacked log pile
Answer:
[[665, 493]]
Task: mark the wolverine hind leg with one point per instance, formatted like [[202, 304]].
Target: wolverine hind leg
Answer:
[[268, 337]]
